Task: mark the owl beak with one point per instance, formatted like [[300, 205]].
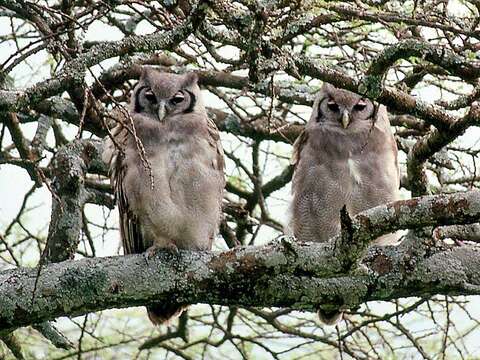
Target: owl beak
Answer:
[[162, 111], [345, 119]]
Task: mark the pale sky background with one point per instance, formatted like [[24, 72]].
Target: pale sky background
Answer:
[[14, 182]]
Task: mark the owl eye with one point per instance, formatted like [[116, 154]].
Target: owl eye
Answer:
[[333, 106], [177, 99], [361, 105], [150, 96]]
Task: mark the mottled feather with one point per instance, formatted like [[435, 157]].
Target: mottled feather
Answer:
[[346, 156], [182, 210]]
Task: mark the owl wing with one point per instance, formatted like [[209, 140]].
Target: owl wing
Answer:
[[393, 166], [216, 144], [114, 156], [297, 148], [218, 164], [130, 232]]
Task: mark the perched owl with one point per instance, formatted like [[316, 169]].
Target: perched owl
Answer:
[[346, 155], [176, 204]]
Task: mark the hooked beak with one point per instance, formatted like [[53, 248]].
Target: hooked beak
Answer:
[[345, 119], [162, 111]]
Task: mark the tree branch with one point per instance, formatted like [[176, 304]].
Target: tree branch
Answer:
[[445, 209], [70, 166], [74, 71], [283, 274]]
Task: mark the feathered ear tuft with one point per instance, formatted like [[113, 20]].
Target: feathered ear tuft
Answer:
[[138, 71], [191, 79], [147, 72], [327, 88]]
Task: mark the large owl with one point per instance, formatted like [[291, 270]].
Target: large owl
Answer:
[[346, 155], [177, 203]]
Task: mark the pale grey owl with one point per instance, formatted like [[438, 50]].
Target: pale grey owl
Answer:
[[346, 155], [176, 205]]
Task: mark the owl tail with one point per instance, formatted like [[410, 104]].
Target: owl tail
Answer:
[[330, 317], [164, 313]]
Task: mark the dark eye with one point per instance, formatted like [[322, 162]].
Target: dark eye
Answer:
[[177, 99], [361, 105], [150, 96], [333, 106]]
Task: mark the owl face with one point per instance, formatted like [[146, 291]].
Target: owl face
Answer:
[[159, 95], [341, 108]]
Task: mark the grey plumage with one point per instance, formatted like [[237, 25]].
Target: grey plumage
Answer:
[[346, 155], [182, 209]]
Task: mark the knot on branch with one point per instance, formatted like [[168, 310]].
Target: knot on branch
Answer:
[[70, 166], [346, 247]]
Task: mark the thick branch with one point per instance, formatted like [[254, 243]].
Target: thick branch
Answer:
[[73, 73], [274, 275], [70, 195], [284, 274], [438, 55], [445, 209]]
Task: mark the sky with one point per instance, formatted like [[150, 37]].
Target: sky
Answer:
[[14, 182]]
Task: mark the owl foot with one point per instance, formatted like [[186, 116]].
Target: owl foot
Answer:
[[155, 249], [171, 248]]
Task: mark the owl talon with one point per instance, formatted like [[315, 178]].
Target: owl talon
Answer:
[[172, 249], [153, 250]]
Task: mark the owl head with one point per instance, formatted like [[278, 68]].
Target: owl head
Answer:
[[160, 95], [341, 109]]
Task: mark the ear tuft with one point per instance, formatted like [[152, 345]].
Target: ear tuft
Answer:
[[327, 87], [138, 71], [147, 72], [191, 79]]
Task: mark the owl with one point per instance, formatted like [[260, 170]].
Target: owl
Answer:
[[167, 171], [346, 156]]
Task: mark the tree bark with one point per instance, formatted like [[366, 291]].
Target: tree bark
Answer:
[[282, 274]]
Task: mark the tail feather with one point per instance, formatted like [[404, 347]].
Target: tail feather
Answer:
[[330, 317], [164, 313]]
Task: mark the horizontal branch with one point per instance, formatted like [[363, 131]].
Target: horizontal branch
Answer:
[[444, 209], [346, 12], [439, 55], [395, 100], [281, 274], [74, 71]]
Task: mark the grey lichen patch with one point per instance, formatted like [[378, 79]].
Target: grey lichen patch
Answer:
[[385, 287], [9, 98], [275, 262], [8, 307], [421, 106], [15, 301], [232, 124], [82, 285], [442, 269], [371, 86], [279, 288]]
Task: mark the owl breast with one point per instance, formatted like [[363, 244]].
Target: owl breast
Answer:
[[184, 204], [333, 173]]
